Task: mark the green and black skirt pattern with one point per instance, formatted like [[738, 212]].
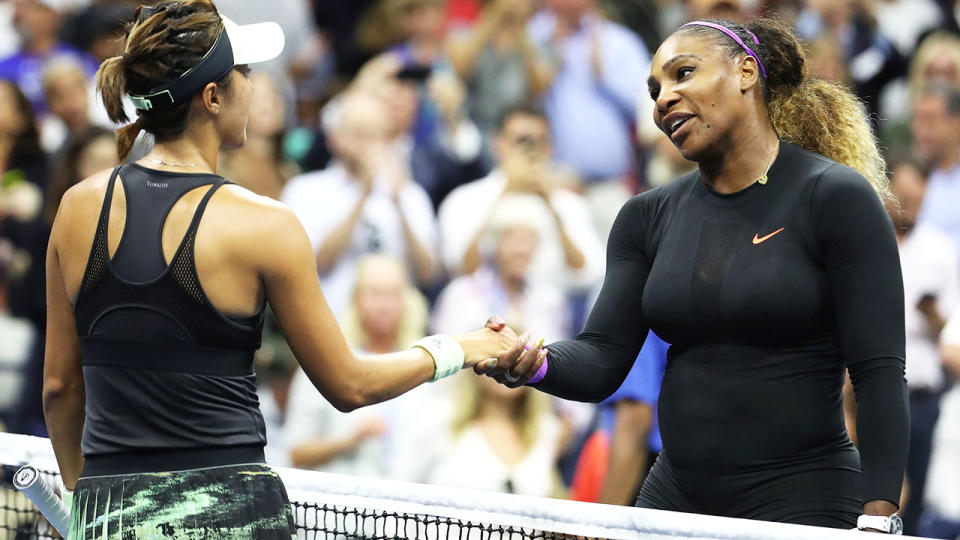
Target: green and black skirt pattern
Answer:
[[235, 501]]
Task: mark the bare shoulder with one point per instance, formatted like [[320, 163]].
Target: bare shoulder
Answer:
[[254, 215], [259, 226]]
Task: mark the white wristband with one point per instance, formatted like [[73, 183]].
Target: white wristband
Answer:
[[447, 354]]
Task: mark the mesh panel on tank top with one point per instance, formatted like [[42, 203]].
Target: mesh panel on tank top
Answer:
[[97, 263], [184, 269]]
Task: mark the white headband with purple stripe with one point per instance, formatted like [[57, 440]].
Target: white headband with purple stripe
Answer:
[[735, 37]]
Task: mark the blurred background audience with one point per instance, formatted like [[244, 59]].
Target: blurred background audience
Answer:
[[450, 159]]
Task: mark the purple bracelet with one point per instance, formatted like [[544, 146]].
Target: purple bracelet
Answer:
[[540, 374]]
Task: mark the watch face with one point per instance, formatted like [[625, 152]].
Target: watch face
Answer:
[[896, 524]]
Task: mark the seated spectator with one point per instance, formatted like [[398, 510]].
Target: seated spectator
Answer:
[[37, 23], [365, 202], [600, 67], [936, 61], [18, 337], [259, 165], [941, 519], [501, 439], [569, 252], [502, 284], [936, 133], [92, 150], [450, 154], [386, 314], [499, 64], [931, 285], [73, 105]]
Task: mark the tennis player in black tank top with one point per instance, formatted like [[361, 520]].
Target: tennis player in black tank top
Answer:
[[770, 270], [158, 273]]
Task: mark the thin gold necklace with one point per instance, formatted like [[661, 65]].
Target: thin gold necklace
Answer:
[[162, 162], [763, 177]]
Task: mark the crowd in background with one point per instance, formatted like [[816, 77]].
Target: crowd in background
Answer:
[[453, 159]]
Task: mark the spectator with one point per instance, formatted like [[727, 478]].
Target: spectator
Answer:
[[931, 284], [502, 284], [501, 439], [259, 165], [941, 519], [18, 338], [73, 107], [98, 29], [935, 62], [25, 176], [451, 154], [94, 149], [617, 454], [600, 67], [365, 202], [37, 23], [498, 62], [936, 132], [569, 252], [23, 180], [385, 315]]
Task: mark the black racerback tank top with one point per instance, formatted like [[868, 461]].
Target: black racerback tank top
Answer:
[[168, 377]]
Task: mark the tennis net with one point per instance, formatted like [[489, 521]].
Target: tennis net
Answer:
[[330, 506]]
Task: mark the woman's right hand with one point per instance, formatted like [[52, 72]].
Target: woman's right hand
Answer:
[[483, 346]]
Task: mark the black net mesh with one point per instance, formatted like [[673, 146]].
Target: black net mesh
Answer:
[[19, 519]]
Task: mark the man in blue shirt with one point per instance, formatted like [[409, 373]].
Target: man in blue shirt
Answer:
[[936, 132], [600, 69], [37, 24]]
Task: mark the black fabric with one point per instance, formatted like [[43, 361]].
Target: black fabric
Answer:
[[162, 367], [762, 322]]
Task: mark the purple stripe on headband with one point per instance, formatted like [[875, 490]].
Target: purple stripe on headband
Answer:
[[736, 38]]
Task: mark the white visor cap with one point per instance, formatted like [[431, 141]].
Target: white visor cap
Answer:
[[252, 43]]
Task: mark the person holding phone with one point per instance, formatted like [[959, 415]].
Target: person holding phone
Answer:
[[569, 253]]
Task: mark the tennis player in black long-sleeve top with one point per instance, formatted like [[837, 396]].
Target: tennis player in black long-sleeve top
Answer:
[[771, 269]]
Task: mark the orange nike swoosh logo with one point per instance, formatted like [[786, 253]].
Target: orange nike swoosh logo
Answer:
[[757, 239]]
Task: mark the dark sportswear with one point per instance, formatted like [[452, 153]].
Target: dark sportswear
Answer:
[[216, 503], [766, 295], [169, 379]]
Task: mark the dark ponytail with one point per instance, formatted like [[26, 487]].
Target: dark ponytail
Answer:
[[162, 43], [817, 115]]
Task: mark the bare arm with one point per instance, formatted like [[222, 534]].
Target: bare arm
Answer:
[[286, 268], [424, 264], [571, 253], [319, 451], [63, 391], [463, 52], [628, 451], [951, 359], [339, 239]]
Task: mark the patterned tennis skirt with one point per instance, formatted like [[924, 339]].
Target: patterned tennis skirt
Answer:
[[235, 501]]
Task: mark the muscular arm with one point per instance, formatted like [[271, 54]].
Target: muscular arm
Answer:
[[63, 391], [862, 264], [282, 253], [593, 366]]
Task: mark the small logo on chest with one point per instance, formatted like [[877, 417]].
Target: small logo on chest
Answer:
[[757, 239], [159, 185]]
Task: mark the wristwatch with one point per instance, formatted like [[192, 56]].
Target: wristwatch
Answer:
[[891, 524]]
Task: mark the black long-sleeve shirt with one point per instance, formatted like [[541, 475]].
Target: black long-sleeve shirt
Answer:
[[766, 295]]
